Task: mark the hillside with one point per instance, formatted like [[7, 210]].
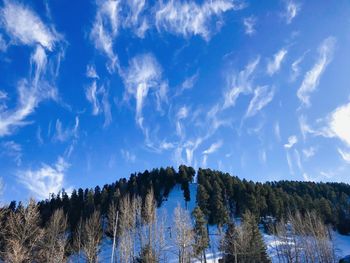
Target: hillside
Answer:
[[155, 205]]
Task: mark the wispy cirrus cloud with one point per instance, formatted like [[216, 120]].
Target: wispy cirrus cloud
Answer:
[[104, 30], [135, 20], [309, 152], [63, 134], [45, 180], [240, 83], [128, 156], [98, 96], [339, 123], [3, 44], [143, 74], [292, 140], [274, 65], [263, 95], [213, 147], [30, 94], [345, 155], [13, 150], [312, 77], [25, 27], [295, 68], [187, 84], [249, 25], [292, 10], [188, 18]]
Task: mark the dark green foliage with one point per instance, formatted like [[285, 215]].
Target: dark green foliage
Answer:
[[256, 250], [228, 245], [201, 233], [82, 202], [277, 199]]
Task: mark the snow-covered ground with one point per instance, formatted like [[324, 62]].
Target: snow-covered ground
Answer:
[[176, 197]]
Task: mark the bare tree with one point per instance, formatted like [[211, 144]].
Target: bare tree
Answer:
[[184, 234], [55, 239], [113, 218], [148, 228], [92, 236], [23, 234], [77, 238], [304, 239], [125, 230]]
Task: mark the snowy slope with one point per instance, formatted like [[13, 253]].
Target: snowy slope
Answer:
[[176, 197]]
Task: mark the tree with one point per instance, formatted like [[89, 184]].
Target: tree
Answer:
[[183, 234], [54, 242], [219, 213], [92, 236], [256, 251], [304, 239], [229, 244], [23, 234], [113, 217], [201, 238], [203, 199]]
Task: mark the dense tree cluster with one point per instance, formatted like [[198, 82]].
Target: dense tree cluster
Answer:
[[222, 196], [83, 202]]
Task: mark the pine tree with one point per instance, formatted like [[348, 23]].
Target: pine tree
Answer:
[[203, 199], [228, 245], [201, 238], [256, 250], [219, 213]]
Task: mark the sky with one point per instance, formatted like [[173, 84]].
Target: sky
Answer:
[[91, 91]]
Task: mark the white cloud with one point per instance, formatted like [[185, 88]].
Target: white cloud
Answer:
[[189, 18], [30, 94], [249, 25], [180, 115], [274, 64], [91, 72], [292, 140], [339, 123], [62, 134], [295, 68], [239, 83], [290, 163], [24, 26], [277, 131], [144, 73], [13, 150], [3, 44], [292, 9], [45, 180], [312, 77], [183, 153], [262, 97], [3, 95], [134, 19], [105, 29], [91, 96], [309, 152], [99, 101], [128, 156], [213, 148], [188, 83], [345, 155]]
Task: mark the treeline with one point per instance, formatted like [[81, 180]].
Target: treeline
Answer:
[[81, 203], [222, 197]]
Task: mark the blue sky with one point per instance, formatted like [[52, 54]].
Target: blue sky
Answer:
[[92, 91]]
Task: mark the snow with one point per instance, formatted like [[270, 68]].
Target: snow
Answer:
[[176, 198]]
